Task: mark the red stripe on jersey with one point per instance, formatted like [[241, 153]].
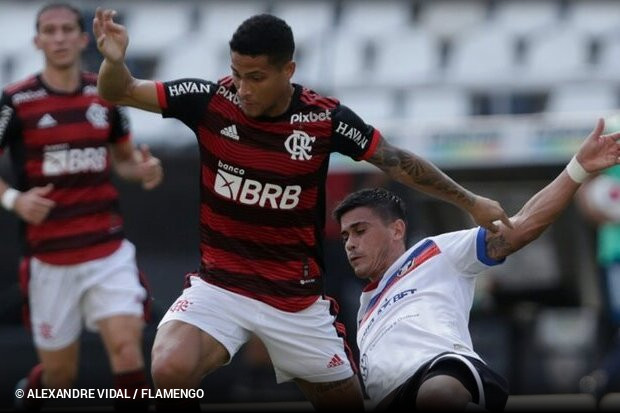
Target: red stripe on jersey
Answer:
[[70, 133], [68, 196], [307, 199], [58, 103], [376, 137], [269, 269], [79, 255], [267, 160], [60, 228], [256, 233], [161, 95]]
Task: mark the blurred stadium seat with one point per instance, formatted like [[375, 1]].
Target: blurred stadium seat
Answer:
[[450, 19], [155, 27], [583, 97], [436, 103]]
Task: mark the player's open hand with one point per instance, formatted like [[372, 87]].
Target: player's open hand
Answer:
[[150, 168], [487, 211], [32, 206], [599, 151], [112, 38]]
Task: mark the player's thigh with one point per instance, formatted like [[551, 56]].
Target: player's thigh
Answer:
[[187, 348], [345, 394], [122, 338], [60, 366]]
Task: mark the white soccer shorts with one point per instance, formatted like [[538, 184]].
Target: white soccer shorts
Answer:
[[302, 344], [63, 297]]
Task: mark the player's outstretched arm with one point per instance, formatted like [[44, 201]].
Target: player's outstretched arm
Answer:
[[115, 82], [596, 153], [416, 172]]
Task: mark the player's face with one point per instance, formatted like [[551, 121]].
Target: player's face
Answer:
[[60, 38], [371, 244], [264, 89]]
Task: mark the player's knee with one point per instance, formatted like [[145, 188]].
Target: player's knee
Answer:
[[126, 354], [170, 369], [437, 394]]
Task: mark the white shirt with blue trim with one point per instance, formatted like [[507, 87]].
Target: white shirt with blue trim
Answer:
[[419, 308]]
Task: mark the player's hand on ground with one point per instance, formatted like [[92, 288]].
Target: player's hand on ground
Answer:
[[150, 168], [599, 151], [487, 211], [32, 206], [112, 38]]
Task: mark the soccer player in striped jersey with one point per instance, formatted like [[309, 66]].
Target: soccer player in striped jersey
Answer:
[[264, 144], [415, 348], [78, 268]]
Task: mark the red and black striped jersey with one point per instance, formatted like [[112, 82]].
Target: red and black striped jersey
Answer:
[[62, 139], [262, 209]]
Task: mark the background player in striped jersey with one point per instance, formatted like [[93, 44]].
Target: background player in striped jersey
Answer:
[[77, 267], [265, 145], [415, 347]]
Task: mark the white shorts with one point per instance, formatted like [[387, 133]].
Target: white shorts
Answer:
[[62, 297], [304, 344]]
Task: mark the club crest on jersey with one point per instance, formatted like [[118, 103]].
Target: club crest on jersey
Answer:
[[299, 145], [406, 267], [97, 115]]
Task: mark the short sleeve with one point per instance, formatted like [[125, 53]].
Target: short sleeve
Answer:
[[119, 127], [9, 125], [467, 250], [351, 136], [185, 99]]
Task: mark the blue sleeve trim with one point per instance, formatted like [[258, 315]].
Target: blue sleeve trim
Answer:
[[481, 249]]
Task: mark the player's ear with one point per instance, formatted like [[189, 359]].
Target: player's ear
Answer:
[[84, 38], [289, 69], [398, 229]]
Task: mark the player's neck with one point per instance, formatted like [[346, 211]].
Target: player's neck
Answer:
[[62, 80], [282, 107]]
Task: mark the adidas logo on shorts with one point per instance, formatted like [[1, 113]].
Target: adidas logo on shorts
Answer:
[[335, 362]]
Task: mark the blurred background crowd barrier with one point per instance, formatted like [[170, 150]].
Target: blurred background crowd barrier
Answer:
[[498, 93]]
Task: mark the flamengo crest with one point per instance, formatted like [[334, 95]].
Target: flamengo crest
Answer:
[[299, 145]]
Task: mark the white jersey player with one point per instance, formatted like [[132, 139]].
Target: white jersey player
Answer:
[[415, 347]]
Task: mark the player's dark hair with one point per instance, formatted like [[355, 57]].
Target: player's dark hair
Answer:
[[386, 204], [264, 34], [73, 9]]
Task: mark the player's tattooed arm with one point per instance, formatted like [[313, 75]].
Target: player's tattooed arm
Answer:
[[410, 169], [498, 247], [416, 172]]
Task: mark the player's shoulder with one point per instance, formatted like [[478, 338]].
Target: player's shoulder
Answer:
[[27, 83], [313, 98]]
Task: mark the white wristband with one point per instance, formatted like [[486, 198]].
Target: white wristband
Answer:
[[9, 197], [576, 171]]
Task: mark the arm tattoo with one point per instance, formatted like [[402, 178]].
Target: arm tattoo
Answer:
[[413, 170], [498, 247]]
